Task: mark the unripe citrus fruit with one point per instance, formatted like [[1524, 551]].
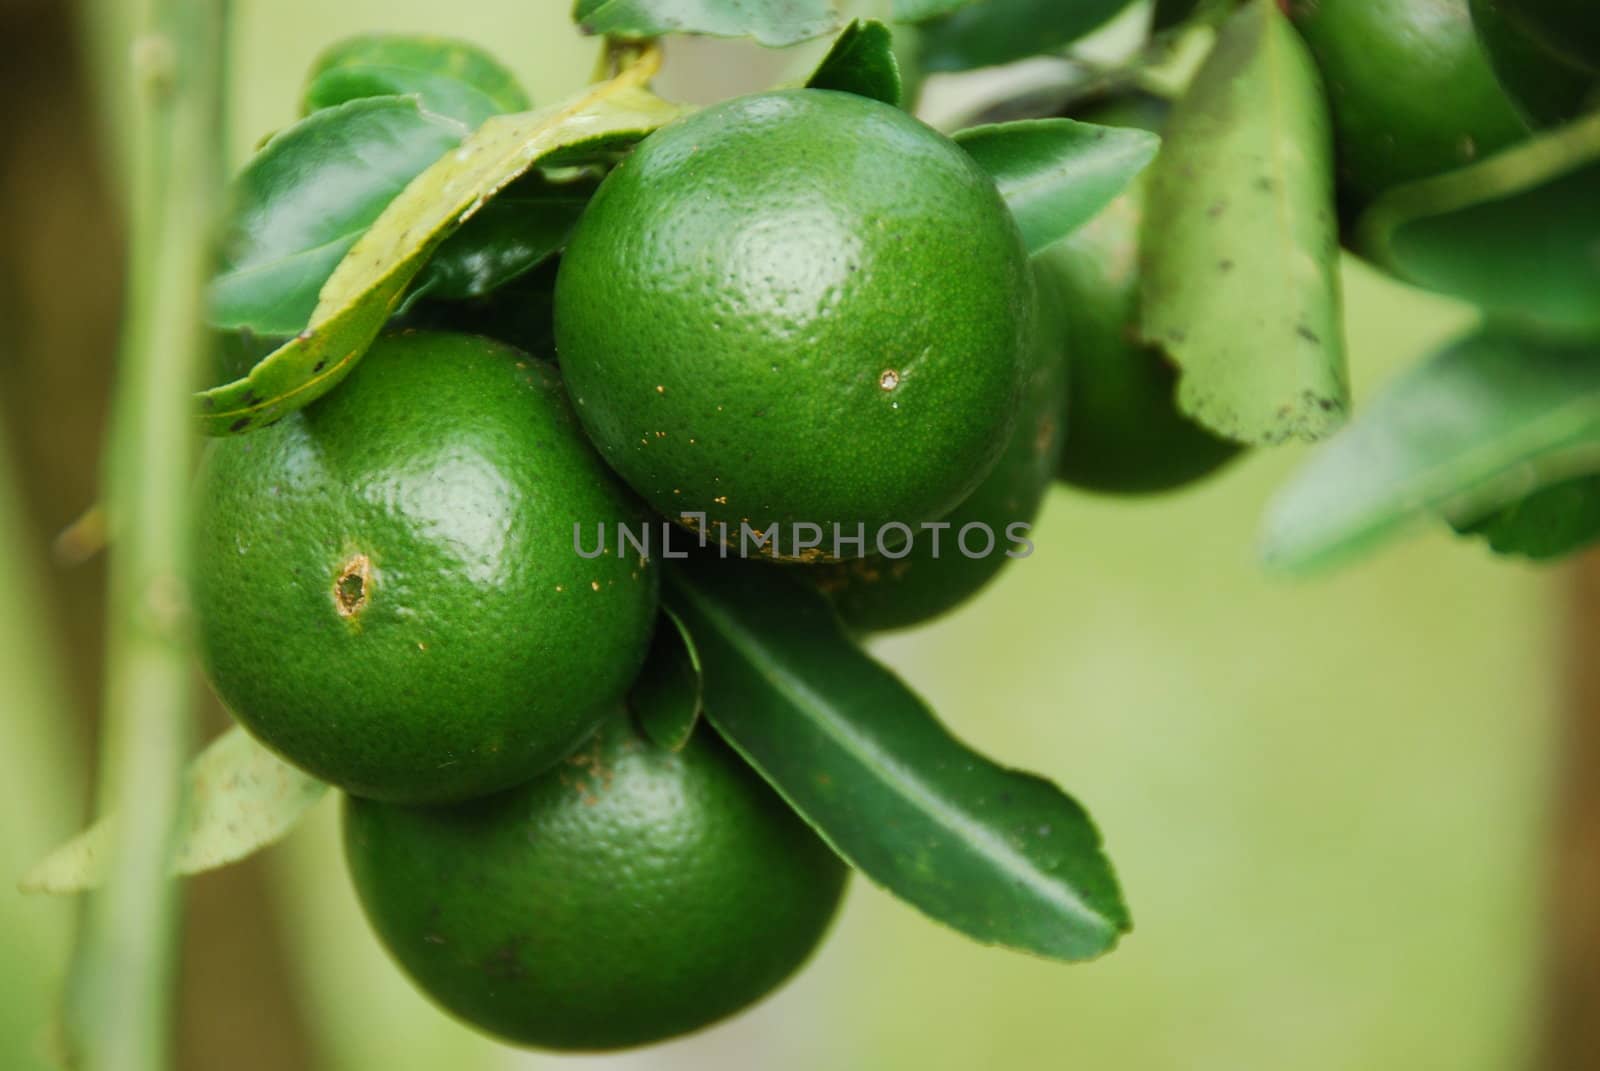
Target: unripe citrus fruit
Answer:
[[1411, 90], [945, 566], [386, 584], [629, 895], [798, 306]]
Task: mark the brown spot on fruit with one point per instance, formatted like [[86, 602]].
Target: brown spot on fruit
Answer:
[[352, 588]]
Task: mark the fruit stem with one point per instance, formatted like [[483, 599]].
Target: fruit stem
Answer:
[[124, 974]]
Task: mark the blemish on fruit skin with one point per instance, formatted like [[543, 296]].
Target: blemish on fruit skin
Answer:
[[889, 379], [352, 588], [595, 584]]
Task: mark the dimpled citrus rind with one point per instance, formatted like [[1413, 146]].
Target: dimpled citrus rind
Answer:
[[879, 593], [629, 895], [386, 586], [798, 306]]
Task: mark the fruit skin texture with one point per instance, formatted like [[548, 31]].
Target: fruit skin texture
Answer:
[[797, 306], [878, 593], [1411, 89], [386, 585], [629, 895]]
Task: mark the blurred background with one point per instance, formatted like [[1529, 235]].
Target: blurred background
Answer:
[[1348, 813]]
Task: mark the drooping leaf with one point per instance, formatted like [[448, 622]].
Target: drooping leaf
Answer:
[[238, 799], [368, 284], [1240, 254], [1549, 523], [772, 24], [1056, 174], [517, 231], [450, 78], [1515, 233], [668, 696], [304, 199], [1544, 87], [1005, 857], [1486, 421], [1001, 31], [861, 61]]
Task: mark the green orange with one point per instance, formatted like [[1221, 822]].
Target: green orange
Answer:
[[386, 582], [629, 895], [1411, 89], [978, 538], [801, 306]]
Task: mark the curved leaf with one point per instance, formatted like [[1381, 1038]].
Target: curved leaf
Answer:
[[1515, 233], [450, 78], [1550, 523], [862, 62], [774, 25], [1057, 174], [517, 231], [668, 696], [368, 284], [303, 200], [1239, 255], [1001, 31], [1488, 420], [1544, 87], [1005, 857], [237, 799]]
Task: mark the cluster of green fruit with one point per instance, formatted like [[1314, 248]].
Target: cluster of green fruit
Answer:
[[798, 307]]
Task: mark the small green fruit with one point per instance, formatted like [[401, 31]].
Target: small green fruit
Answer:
[[629, 895], [386, 581], [799, 307]]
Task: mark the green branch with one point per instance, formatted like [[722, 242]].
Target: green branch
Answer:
[[124, 973]]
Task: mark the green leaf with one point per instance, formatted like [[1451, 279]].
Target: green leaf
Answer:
[[1057, 174], [1491, 418], [1544, 87], [1515, 233], [1005, 857], [861, 61], [304, 199], [237, 799], [1550, 523], [668, 696], [517, 231], [1001, 31], [772, 24], [1240, 251], [450, 78], [922, 10], [368, 284]]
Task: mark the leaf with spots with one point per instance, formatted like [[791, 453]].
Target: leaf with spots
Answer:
[[1003, 856], [1517, 233], [448, 77], [1002, 31], [862, 62], [1057, 174], [1239, 254], [367, 286], [303, 200], [773, 24], [237, 799], [667, 698], [1468, 433]]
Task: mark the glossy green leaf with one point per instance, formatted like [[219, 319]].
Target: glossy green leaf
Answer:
[[773, 24], [861, 61], [1001, 31], [450, 78], [368, 284], [1490, 419], [1005, 857], [669, 694], [1515, 233], [303, 200], [238, 799], [1240, 254], [517, 231], [1545, 88], [1057, 174], [1550, 523]]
